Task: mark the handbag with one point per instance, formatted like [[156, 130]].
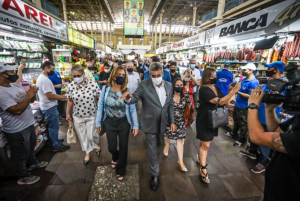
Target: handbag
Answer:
[[102, 118], [71, 134], [218, 117], [187, 111]]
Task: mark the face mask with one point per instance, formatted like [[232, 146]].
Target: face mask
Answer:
[[192, 66], [106, 70], [245, 73], [197, 67], [270, 73], [51, 73], [78, 79], [187, 79], [164, 63], [147, 65], [129, 70], [157, 81], [12, 78], [120, 80], [172, 70], [178, 89], [213, 80]]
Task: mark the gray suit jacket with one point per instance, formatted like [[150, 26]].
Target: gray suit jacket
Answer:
[[154, 117]]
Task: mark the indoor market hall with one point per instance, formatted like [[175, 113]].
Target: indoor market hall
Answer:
[[159, 100]]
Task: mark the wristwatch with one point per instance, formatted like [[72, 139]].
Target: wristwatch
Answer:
[[252, 106]]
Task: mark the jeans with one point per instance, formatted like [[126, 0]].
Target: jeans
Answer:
[[61, 108], [52, 117], [118, 128], [22, 146]]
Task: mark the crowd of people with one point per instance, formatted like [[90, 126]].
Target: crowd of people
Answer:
[[104, 101]]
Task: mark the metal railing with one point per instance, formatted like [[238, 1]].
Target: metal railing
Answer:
[[50, 8], [210, 15]]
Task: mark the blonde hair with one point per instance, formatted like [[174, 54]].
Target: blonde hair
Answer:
[[113, 74]]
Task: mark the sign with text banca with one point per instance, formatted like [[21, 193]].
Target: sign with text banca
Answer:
[[133, 18]]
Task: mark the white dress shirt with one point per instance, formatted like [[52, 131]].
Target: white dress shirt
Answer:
[[133, 81], [162, 94]]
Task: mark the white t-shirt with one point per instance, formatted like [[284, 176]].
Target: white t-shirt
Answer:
[[89, 75], [197, 76], [45, 86], [133, 81]]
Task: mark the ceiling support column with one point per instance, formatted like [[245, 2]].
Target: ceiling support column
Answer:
[[102, 27], [160, 30], [152, 42], [106, 33], [194, 17], [221, 8], [65, 11], [155, 35], [110, 42], [170, 33]]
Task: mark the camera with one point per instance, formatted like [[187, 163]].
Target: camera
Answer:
[[290, 84]]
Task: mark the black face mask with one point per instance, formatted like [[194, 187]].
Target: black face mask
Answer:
[[147, 65], [51, 73], [12, 78], [270, 73], [129, 70], [213, 80], [178, 89], [164, 63], [197, 67], [173, 70], [245, 73], [120, 80]]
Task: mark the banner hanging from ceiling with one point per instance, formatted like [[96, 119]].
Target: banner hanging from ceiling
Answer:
[[133, 18]]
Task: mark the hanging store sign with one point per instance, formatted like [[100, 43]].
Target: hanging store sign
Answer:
[[19, 14], [281, 17], [80, 38], [133, 18], [101, 47], [108, 50], [209, 36], [167, 48], [179, 45], [195, 41]]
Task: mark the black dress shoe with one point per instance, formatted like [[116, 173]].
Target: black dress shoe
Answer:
[[154, 183]]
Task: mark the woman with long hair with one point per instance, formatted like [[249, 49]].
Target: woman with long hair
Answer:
[[83, 95], [118, 119], [180, 99], [209, 94]]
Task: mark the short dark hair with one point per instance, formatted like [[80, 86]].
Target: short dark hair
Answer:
[[106, 64], [124, 62], [47, 64], [155, 59], [173, 64], [156, 66]]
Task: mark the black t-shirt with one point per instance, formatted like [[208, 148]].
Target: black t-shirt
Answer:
[[283, 173], [103, 76], [141, 71], [173, 77]]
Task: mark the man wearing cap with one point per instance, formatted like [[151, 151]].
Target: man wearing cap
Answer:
[[240, 109], [224, 78], [18, 124], [275, 71]]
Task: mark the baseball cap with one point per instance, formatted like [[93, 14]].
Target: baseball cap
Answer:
[[6, 67], [227, 64], [277, 64], [250, 66]]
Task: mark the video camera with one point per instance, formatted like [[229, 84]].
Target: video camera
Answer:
[[291, 85]]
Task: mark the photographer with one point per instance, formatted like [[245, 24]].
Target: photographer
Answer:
[[282, 174]]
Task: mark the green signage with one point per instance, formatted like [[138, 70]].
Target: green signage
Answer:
[[80, 38]]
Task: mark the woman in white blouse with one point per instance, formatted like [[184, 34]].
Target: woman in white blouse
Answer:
[[83, 95]]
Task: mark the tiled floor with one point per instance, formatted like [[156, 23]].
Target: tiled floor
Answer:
[[67, 178]]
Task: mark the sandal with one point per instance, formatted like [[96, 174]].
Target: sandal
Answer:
[[119, 177], [113, 164], [98, 151], [204, 178]]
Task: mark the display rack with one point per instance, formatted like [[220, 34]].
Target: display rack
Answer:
[[63, 61]]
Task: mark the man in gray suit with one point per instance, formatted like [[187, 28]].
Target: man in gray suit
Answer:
[[157, 111]]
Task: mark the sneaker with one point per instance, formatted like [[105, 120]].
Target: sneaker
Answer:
[[38, 165], [28, 180], [62, 148], [259, 168], [246, 153], [231, 135], [60, 123], [238, 144]]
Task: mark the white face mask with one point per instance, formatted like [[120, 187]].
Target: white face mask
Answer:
[[106, 70], [157, 81], [187, 79], [78, 79]]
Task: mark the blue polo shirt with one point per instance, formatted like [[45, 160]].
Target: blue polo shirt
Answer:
[[224, 79], [166, 77], [262, 108], [246, 87], [56, 79]]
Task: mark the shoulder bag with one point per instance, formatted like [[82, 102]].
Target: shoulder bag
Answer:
[[218, 117]]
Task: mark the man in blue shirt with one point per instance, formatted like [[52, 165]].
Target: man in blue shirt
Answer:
[[56, 80], [224, 78], [240, 109], [274, 71], [167, 75]]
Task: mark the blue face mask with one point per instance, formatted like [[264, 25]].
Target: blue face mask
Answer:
[[193, 65]]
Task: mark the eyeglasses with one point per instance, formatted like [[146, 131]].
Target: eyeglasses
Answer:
[[75, 76]]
